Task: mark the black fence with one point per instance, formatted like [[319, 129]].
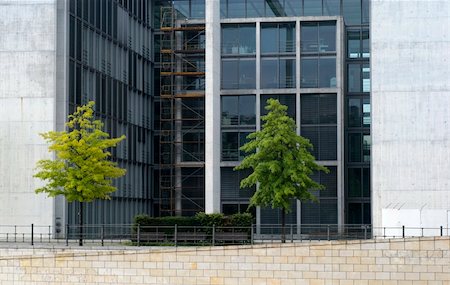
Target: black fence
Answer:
[[135, 235]]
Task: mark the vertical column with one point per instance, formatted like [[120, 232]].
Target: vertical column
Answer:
[[212, 106], [340, 118], [258, 106], [298, 105]]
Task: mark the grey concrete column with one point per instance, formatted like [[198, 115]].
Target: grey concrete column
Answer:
[[212, 107], [298, 105]]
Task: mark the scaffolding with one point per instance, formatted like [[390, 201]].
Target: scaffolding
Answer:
[[181, 181]]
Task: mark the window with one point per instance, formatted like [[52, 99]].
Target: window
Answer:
[[230, 185], [319, 124], [238, 73], [278, 73], [352, 12], [318, 37], [358, 182], [358, 113], [278, 38], [312, 8], [359, 146], [359, 213], [318, 72], [238, 39], [331, 8], [358, 78]]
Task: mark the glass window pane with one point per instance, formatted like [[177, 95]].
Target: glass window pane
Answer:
[[365, 44], [247, 74], [366, 77], [223, 9], [236, 9], [293, 7], [274, 8], [230, 110], [255, 8], [327, 143], [309, 106], [230, 146], [309, 73], [269, 38], [312, 8], [367, 143], [269, 73], [367, 214], [366, 113], [309, 37], [242, 140], [352, 12], [354, 112], [366, 182], [353, 44], [354, 78], [182, 7], [331, 8], [230, 74], [354, 147], [247, 39], [230, 209], [230, 39], [287, 73], [247, 110], [287, 38], [289, 101], [328, 109], [354, 213], [327, 72], [365, 11], [327, 37], [198, 9], [354, 182]]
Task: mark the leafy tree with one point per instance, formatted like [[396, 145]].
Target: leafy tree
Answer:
[[81, 170], [281, 163]]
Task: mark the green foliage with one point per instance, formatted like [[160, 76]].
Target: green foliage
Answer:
[[81, 170], [280, 161], [209, 220], [241, 220]]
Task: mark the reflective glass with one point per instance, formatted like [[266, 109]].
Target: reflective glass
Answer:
[[365, 11], [247, 110], [223, 8], [247, 74], [309, 37], [327, 37], [242, 140], [352, 12], [236, 9], [247, 39], [255, 8], [366, 78], [230, 115], [367, 143], [365, 44], [269, 38], [287, 100], [287, 38], [269, 73], [331, 7], [312, 8], [354, 78], [367, 214], [287, 73], [354, 112], [354, 213], [366, 182], [230, 39], [198, 9], [327, 109], [230, 74], [327, 72], [274, 8], [354, 182], [354, 147], [293, 7], [182, 6], [366, 113], [230, 145], [353, 44], [309, 73]]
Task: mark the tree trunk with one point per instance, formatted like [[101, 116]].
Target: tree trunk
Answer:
[[80, 216], [283, 226]]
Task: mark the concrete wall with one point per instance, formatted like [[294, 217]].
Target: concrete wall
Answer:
[[410, 67], [27, 106], [394, 262]]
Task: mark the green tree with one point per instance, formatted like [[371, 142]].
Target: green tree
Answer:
[[81, 170], [281, 163]]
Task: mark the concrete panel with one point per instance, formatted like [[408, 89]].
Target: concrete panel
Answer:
[[27, 106], [410, 99]]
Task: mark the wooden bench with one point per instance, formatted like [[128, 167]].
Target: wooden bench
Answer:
[[151, 237]]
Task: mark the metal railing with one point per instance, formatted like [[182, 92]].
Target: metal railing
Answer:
[[138, 235]]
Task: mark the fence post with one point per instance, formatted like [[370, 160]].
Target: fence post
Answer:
[[139, 235], [442, 230], [252, 237], [328, 232], [365, 231], [49, 233], [292, 234], [214, 235], [403, 231], [175, 235], [32, 234], [102, 233], [67, 234], [15, 233]]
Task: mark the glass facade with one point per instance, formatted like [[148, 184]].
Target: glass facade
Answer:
[[110, 62]]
